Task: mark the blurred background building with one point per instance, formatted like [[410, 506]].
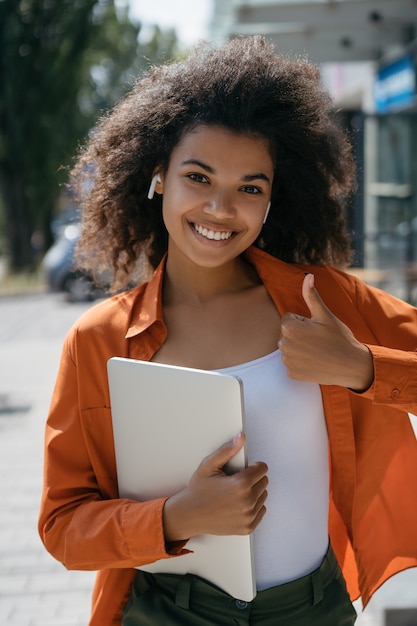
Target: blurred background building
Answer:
[[367, 53]]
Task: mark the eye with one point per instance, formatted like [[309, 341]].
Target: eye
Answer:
[[198, 178], [251, 189]]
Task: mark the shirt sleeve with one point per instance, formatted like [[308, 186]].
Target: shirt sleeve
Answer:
[[394, 325]]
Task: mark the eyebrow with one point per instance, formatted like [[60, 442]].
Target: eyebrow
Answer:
[[248, 178]]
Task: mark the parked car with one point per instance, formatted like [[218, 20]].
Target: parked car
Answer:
[[58, 267]]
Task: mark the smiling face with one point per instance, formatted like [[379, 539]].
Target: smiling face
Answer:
[[215, 194]]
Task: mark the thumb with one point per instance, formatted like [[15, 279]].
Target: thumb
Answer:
[[216, 461], [316, 306]]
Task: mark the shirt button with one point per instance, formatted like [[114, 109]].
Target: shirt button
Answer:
[[395, 393], [241, 604]]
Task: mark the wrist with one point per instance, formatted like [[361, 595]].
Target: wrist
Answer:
[[365, 371], [174, 521]]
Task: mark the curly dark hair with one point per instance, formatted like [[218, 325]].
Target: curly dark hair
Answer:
[[243, 86]]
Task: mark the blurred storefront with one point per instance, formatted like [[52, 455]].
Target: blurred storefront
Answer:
[[391, 172]]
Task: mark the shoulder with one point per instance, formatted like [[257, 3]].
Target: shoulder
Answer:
[[336, 284], [272, 267], [334, 278], [111, 314]]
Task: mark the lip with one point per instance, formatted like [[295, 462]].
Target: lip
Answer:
[[211, 233]]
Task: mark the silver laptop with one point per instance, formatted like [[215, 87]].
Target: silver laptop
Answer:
[[166, 419]]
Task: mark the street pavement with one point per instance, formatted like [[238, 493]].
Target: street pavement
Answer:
[[35, 590]]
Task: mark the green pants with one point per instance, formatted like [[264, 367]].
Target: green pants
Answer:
[[319, 599]]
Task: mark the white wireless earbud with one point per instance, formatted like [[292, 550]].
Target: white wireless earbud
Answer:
[[156, 179], [267, 211]]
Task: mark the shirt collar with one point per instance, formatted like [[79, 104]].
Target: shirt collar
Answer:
[[285, 292], [283, 281], [148, 309]]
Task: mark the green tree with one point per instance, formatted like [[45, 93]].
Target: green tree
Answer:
[[62, 62]]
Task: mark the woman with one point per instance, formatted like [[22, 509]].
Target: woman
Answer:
[[226, 176]]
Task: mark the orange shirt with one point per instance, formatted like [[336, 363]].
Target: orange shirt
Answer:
[[373, 450]]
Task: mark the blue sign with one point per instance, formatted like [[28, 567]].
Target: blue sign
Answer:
[[395, 86]]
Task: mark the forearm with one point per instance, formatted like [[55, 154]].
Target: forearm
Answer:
[[99, 534]]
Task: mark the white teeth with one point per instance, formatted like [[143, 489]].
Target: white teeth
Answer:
[[211, 234]]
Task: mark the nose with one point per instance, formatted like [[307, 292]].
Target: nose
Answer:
[[220, 205]]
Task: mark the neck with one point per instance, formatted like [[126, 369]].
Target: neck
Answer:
[[194, 284]]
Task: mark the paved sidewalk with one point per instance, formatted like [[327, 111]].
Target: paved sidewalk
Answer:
[[35, 590]]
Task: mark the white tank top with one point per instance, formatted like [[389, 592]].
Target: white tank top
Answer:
[[286, 429]]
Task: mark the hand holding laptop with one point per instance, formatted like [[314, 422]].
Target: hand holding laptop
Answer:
[[215, 502]]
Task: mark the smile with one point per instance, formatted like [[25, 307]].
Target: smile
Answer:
[[216, 235]]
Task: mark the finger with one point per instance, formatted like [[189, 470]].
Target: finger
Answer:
[[258, 518], [250, 488], [290, 329], [259, 490], [261, 502], [256, 473], [258, 510], [316, 306], [220, 457]]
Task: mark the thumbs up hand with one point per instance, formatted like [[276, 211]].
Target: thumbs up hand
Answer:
[[321, 348]]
